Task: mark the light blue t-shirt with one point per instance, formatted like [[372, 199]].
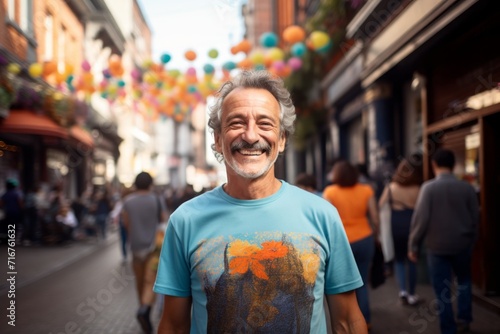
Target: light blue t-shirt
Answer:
[[256, 266]]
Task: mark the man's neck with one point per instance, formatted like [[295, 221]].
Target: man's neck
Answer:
[[440, 171], [251, 189]]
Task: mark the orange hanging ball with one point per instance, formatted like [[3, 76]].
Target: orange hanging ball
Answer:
[[245, 46], [190, 55], [294, 34]]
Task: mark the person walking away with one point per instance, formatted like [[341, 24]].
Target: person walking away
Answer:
[[11, 202], [30, 216], [101, 207], [357, 208], [142, 212], [401, 195], [116, 215], [308, 182], [256, 254], [447, 215]]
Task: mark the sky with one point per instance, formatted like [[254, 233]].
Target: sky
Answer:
[[198, 25]]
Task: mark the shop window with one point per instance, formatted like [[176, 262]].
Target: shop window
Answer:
[[472, 143], [57, 165], [48, 38]]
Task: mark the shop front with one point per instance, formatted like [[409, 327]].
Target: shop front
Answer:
[[464, 115], [37, 151]]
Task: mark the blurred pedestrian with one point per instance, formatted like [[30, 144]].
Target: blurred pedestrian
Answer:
[[11, 202], [67, 222], [401, 195], [365, 178], [142, 213], [356, 203], [256, 254], [30, 216], [117, 217], [447, 215], [307, 182], [100, 208]]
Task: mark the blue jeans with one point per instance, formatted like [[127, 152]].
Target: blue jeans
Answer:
[[441, 268], [363, 251], [406, 280], [123, 239], [100, 220]]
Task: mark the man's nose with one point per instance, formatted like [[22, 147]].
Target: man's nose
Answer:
[[250, 135]]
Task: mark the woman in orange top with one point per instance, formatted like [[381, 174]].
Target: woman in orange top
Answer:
[[356, 203]]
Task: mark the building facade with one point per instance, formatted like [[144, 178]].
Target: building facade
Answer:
[[41, 135], [417, 76]]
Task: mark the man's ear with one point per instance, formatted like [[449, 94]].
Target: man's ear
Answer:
[[218, 145], [282, 143]]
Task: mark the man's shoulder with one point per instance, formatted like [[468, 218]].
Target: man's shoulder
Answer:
[[204, 199], [135, 197]]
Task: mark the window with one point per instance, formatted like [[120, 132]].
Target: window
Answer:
[[11, 10], [48, 38], [24, 15], [61, 50]]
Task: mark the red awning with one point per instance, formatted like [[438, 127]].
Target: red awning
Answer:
[[82, 135], [27, 122]]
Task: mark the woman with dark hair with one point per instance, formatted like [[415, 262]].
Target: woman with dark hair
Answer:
[[401, 194], [355, 202]]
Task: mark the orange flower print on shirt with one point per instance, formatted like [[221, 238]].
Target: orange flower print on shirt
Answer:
[[310, 262], [245, 256], [272, 250]]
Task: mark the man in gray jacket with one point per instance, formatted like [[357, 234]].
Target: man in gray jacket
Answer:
[[447, 215]]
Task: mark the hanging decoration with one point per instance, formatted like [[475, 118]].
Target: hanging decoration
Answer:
[[158, 91]]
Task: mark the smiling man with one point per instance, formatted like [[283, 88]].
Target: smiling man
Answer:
[[256, 255]]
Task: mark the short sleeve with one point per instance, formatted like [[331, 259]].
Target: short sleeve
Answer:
[[173, 277], [341, 272]]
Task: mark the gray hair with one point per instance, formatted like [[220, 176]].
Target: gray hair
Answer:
[[260, 80]]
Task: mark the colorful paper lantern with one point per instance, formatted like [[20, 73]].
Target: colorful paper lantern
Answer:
[[293, 34], [318, 39], [295, 63], [208, 69], [298, 49], [229, 65], [35, 70], [213, 53], [275, 54], [165, 58], [268, 40], [85, 66], [49, 68], [257, 57], [244, 46], [191, 71], [190, 55]]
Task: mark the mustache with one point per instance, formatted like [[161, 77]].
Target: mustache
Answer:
[[255, 146]]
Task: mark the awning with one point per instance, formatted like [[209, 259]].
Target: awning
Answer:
[[82, 135], [27, 122]]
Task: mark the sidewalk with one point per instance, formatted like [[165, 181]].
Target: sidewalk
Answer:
[[35, 262]]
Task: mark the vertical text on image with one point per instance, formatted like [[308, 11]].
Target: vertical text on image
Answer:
[[11, 274]]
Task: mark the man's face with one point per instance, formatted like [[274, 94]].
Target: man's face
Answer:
[[250, 138]]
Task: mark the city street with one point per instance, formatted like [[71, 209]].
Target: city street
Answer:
[[94, 293]]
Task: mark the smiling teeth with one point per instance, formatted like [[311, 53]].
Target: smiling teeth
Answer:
[[247, 152]]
